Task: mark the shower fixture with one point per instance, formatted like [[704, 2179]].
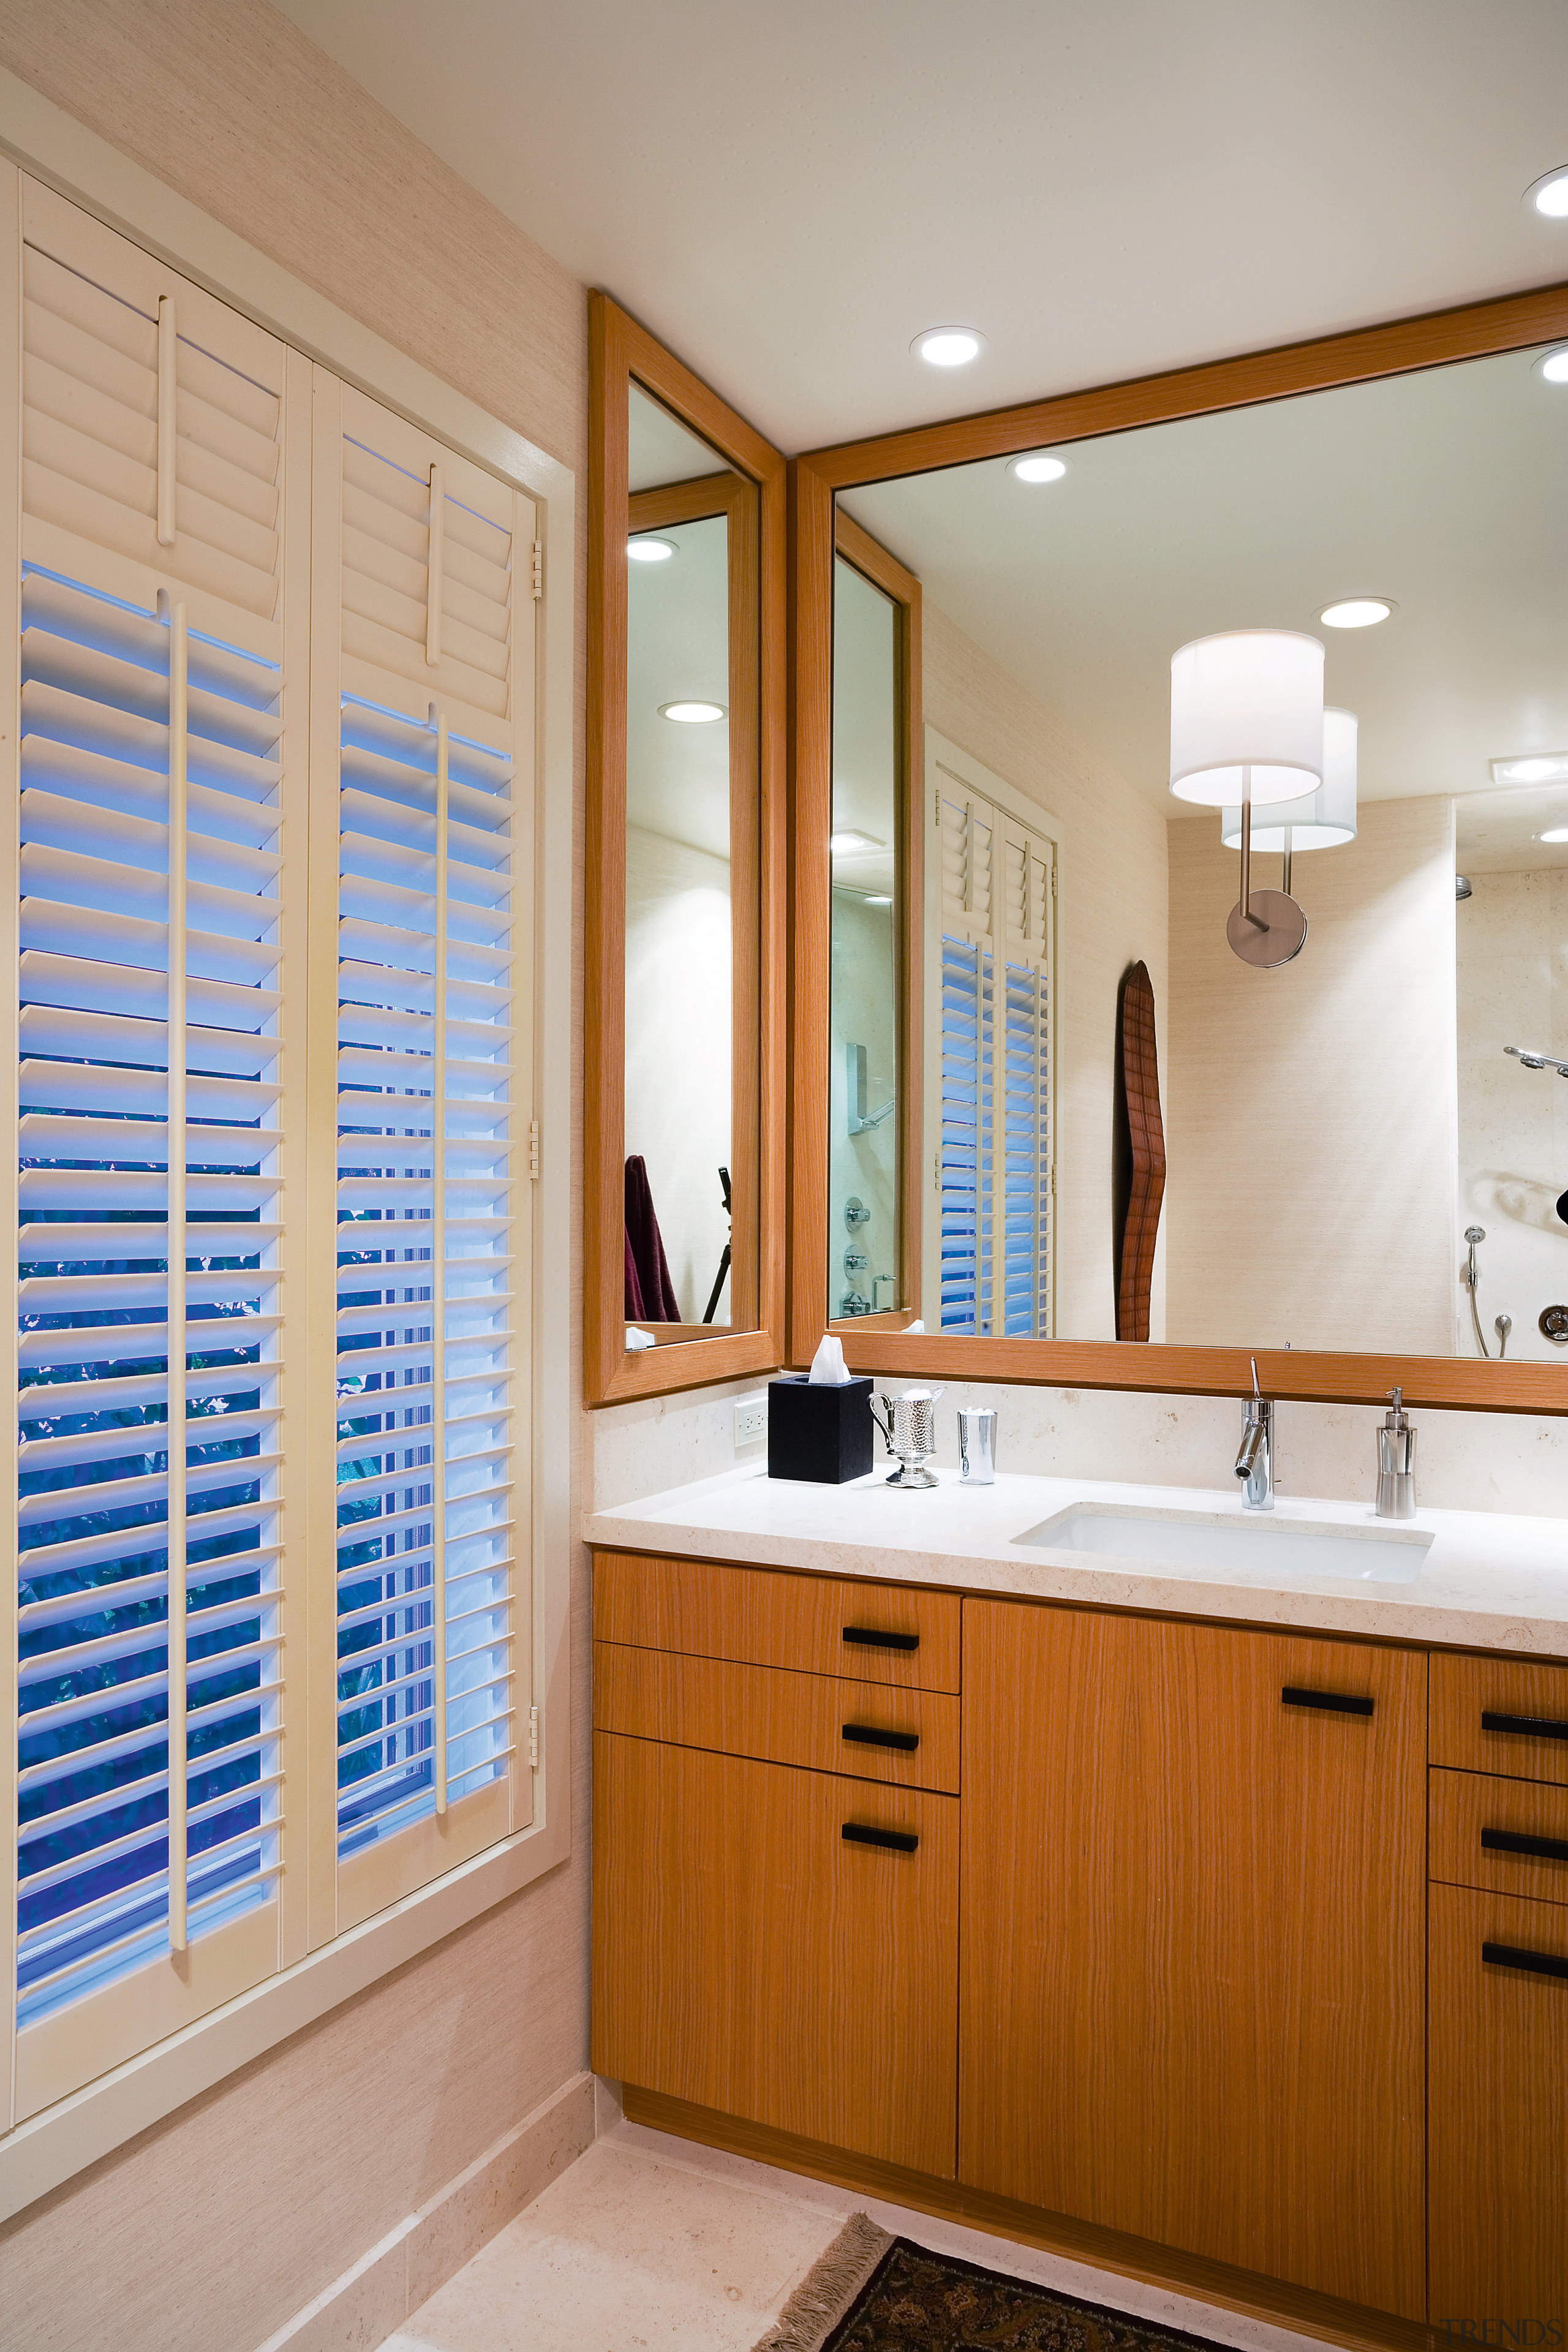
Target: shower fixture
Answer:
[[1469, 1276], [1537, 1061]]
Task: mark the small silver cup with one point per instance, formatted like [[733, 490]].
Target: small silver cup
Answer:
[[908, 1431], [977, 1444]]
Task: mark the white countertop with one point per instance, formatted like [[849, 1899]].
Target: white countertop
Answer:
[[1489, 1580]]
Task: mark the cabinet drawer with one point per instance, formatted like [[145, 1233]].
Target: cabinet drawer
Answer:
[[1501, 1715], [766, 1617], [1497, 2113], [907, 1737], [750, 1956], [1499, 1834]]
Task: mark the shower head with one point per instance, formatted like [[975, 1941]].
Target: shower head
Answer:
[[1474, 1234]]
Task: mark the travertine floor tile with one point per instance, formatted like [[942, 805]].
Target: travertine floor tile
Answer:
[[654, 2244], [627, 2251]]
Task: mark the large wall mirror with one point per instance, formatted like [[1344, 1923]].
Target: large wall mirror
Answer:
[[683, 1211], [1090, 1112]]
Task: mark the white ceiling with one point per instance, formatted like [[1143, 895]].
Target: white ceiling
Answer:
[[1446, 492], [787, 191]]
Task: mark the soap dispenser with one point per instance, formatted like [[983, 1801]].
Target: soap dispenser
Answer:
[[1397, 1463]]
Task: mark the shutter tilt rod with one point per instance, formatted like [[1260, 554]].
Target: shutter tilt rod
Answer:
[[435, 576], [173, 617], [166, 420], [438, 1255]]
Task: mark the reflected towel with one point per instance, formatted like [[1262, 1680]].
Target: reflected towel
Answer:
[[645, 1263]]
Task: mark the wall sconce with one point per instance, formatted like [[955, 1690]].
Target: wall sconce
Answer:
[[1320, 820], [1246, 727]]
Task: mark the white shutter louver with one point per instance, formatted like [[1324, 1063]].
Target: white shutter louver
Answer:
[[433, 1074], [993, 1155], [152, 911]]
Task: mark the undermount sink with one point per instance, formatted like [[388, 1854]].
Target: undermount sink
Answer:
[[1189, 1542]]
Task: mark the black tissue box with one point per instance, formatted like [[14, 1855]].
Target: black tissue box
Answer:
[[818, 1433]]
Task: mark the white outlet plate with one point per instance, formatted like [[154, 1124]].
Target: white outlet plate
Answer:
[[750, 1420]]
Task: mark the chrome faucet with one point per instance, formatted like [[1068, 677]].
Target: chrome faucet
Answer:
[[1255, 1457]]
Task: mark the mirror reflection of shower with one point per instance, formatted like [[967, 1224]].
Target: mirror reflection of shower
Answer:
[[1470, 1275]]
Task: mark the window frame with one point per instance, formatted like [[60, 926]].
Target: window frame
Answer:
[[37, 2155]]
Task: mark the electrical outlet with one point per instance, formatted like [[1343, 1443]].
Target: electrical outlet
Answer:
[[750, 1420]]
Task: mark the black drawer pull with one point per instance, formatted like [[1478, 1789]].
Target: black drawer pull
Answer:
[[869, 1638], [1331, 1702], [1540, 1964], [1531, 1726], [1515, 1841], [903, 1841], [865, 1734]]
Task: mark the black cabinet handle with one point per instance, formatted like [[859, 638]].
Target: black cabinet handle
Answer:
[[1329, 1702], [1540, 1964], [869, 1638], [903, 1841], [865, 1734], [1515, 1841], [1531, 1726]]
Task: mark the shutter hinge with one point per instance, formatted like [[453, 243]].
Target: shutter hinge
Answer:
[[534, 1738], [538, 567], [533, 1150]]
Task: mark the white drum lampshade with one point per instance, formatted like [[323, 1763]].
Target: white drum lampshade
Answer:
[[1320, 820], [1249, 700]]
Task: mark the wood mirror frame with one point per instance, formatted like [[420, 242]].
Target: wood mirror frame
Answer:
[[622, 353], [814, 945], [1513, 322]]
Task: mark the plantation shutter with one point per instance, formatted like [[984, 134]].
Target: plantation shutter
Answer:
[[423, 663], [162, 666], [995, 908]]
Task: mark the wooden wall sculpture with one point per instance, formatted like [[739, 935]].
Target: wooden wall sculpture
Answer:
[[1141, 1126]]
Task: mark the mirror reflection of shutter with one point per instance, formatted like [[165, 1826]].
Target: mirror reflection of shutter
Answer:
[[967, 1159], [162, 555], [1023, 1106], [423, 687]]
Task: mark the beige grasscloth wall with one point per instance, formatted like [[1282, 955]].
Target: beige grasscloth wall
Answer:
[[213, 2228], [1111, 902], [1311, 1117]]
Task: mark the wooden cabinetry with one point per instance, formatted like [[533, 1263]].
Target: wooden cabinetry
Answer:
[[1497, 2115], [1193, 1939], [1235, 1958], [1498, 2036], [750, 1956], [775, 1866]]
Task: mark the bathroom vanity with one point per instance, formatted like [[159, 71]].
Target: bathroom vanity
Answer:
[[1207, 1922]]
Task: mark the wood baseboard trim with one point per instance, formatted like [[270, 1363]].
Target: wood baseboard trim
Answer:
[[1057, 2234]]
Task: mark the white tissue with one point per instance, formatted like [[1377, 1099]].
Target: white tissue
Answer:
[[828, 1369], [636, 1339]]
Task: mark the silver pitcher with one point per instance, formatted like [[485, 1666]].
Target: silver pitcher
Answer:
[[909, 1430]]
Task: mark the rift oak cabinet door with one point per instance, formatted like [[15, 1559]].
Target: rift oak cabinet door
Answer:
[[750, 1956], [1193, 1941], [1499, 2117]]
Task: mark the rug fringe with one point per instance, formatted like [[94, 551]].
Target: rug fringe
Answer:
[[828, 2288]]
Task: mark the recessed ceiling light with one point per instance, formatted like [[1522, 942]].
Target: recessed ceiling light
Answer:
[[691, 714], [1356, 613], [1038, 469], [650, 551], [1554, 366], [851, 838], [881, 898], [1548, 195], [948, 347], [1554, 833], [1536, 768]]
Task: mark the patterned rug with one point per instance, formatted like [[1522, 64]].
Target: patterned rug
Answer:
[[873, 2292]]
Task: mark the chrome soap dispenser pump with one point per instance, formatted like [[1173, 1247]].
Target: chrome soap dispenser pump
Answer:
[[1397, 1463]]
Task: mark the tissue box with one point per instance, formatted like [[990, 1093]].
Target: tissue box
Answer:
[[821, 1435]]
